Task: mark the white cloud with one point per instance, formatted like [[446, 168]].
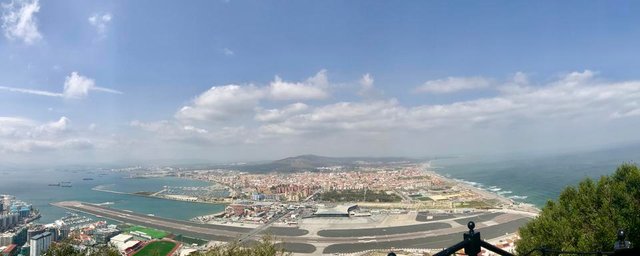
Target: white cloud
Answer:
[[221, 103], [21, 135], [61, 125], [19, 20], [575, 96], [227, 51], [577, 103], [12, 126], [165, 130], [28, 146], [342, 116], [453, 84], [75, 87], [367, 89], [313, 88], [100, 22], [272, 115]]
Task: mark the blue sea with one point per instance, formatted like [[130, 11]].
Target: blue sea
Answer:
[[530, 179], [32, 187], [535, 179]]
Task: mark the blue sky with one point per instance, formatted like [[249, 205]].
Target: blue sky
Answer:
[[168, 81]]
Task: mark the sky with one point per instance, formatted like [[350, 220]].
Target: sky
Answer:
[[93, 82]]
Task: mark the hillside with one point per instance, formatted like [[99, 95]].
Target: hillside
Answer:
[[312, 162]]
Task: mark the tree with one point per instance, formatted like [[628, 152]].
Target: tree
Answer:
[[587, 217], [66, 248], [265, 247]]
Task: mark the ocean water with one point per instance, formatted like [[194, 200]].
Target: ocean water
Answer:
[[32, 187], [535, 179]]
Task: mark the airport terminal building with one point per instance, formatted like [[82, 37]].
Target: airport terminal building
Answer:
[[337, 211]]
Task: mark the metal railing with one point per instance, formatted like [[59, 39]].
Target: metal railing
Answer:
[[473, 244]]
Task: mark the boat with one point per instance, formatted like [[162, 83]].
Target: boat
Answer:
[[54, 184], [87, 179]]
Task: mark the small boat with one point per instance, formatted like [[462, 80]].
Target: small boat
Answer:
[[54, 184], [87, 179]]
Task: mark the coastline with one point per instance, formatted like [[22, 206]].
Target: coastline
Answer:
[[486, 194], [97, 188]]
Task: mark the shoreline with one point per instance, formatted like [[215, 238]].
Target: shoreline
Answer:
[[484, 193], [96, 188]]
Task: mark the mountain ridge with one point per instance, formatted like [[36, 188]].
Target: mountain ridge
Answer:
[[310, 162]]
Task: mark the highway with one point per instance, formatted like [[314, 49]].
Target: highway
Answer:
[[432, 234]]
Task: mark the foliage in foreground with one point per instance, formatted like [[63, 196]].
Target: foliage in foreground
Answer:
[[587, 218], [66, 248], [265, 247]]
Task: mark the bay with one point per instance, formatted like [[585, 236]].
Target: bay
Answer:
[[32, 186]]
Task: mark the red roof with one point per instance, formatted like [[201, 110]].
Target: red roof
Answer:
[[9, 248]]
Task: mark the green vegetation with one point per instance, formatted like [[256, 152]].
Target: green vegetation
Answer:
[[587, 217], [359, 195], [156, 248], [475, 204], [153, 233], [265, 247], [189, 240], [66, 248]]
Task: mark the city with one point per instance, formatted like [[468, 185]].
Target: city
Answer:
[[327, 209], [331, 127]]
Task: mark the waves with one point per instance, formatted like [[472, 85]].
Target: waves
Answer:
[[493, 189], [502, 193]]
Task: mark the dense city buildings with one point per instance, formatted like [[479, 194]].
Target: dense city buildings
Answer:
[[40, 243], [307, 205]]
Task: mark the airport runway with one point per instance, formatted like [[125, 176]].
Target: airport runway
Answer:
[[422, 216], [432, 234], [383, 231], [441, 241]]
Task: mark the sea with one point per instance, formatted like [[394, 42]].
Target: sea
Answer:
[[32, 186], [524, 178], [535, 179]]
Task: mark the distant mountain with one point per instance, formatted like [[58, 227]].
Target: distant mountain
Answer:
[[313, 162]]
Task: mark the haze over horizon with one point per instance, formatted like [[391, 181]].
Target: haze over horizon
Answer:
[[84, 82]]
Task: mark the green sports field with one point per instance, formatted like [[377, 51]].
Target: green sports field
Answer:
[[154, 233], [161, 248]]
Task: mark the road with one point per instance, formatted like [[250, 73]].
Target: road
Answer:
[[435, 234]]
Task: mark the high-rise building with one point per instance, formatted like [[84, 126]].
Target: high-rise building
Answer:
[[63, 232], [8, 221], [34, 231], [20, 236], [6, 239], [39, 244]]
